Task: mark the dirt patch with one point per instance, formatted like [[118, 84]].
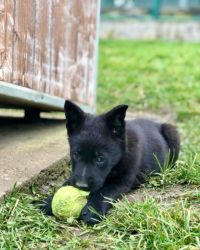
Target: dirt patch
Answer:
[[168, 194], [165, 116], [164, 193]]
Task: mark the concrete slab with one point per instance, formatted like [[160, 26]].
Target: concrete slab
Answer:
[[151, 30], [27, 149]]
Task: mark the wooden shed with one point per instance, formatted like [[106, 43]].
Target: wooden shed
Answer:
[[48, 53]]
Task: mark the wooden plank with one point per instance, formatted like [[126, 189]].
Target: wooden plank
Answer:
[[23, 47], [28, 73], [59, 52], [93, 23], [6, 39], [19, 44], [42, 46], [2, 33], [31, 52], [74, 71], [83, 75]]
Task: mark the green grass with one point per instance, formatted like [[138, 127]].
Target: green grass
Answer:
[[153, 76], [131, 225], [147, 225], [150, 75]]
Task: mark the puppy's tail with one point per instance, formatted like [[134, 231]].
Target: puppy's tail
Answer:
[[172, 138]]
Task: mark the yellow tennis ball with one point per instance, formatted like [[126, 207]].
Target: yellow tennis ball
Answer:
[[68, 202]]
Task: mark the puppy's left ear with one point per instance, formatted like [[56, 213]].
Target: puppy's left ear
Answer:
[[115, 119], [74, 115]]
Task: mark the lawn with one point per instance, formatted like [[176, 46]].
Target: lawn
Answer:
[[158, 77]]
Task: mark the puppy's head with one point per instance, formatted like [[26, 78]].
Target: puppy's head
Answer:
[[96, 144]]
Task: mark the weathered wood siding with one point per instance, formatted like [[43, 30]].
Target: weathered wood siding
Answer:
[[50, 46]]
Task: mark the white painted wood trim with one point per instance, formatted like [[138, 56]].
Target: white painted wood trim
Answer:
[[25, 97]]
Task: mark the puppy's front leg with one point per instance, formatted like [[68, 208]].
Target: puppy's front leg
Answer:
[[98, 201]]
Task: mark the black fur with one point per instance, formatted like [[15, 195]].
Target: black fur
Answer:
[[110, 156]]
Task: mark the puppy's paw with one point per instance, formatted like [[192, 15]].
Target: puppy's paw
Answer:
[[45, 206], [90, 216]]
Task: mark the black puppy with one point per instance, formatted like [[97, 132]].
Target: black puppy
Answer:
[[110, 155]]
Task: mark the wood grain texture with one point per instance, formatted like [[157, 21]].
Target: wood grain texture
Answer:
[[50, 46], [20, 44], [42, 46], [6, 39]]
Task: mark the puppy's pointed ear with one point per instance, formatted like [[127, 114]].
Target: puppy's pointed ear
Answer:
[[115, 119], [74, 115]]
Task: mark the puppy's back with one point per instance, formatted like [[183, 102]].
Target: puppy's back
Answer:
[[156, 140]]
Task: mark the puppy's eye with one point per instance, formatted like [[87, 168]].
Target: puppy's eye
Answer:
[[76, 156], [100, 159]]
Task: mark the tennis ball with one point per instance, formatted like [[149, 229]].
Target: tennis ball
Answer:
[[68, 202]]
